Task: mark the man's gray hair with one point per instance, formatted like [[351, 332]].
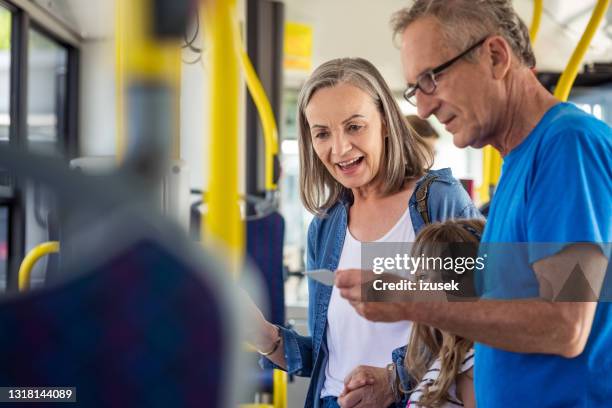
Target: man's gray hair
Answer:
[[467, 21]]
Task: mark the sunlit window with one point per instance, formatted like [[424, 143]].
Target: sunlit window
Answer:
[[597, 111], [595, 100], [5, 122], [47, 66], [5, 73]]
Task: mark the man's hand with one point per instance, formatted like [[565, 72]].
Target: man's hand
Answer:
[[349, 282], [352, 283], [366, 387]]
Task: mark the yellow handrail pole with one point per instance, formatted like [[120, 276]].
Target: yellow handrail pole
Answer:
[[279, 399], [538, 8], [264, 109], [568, 77], [483, 190], [222, 221], [491, 171], [266, 114], [25, 270]]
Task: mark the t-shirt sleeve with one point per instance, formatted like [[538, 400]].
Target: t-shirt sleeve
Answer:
[[570, 197]]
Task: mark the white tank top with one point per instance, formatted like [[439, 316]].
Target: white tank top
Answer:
[[352, 340]]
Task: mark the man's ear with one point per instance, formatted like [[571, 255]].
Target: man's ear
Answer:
[[500, 56]]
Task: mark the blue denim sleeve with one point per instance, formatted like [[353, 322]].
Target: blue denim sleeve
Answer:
[[297, 348], [470, 211], [449, 200], [398, 357]]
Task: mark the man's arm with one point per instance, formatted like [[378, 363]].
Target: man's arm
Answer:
[[529, 326], [536, 326]]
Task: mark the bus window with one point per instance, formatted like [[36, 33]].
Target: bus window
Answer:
[[5, 122], [47, 67], [5, 73], [595, 100]]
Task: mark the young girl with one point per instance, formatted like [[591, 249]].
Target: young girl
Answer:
[[441, 362]]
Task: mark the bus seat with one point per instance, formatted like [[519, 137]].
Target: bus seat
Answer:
[[142, 329], [264, 243]]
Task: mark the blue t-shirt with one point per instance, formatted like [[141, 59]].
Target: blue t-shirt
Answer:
[[556, 187]]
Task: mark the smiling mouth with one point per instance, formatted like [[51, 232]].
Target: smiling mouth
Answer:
[[349, 164]]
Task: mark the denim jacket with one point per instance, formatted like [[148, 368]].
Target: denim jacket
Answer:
[[307, 356]]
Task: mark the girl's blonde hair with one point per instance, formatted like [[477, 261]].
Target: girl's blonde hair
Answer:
[[405, 155], [427, 343]]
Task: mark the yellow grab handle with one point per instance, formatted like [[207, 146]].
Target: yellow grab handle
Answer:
[[564, 86], [538, 7], [264, 109], [25, 270], [266, 114]]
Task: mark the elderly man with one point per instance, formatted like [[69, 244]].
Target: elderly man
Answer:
[[470, 64]]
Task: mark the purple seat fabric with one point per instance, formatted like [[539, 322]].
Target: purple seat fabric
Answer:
[[265, 240], [143, 330]]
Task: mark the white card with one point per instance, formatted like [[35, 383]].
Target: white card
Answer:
[[324, 276]]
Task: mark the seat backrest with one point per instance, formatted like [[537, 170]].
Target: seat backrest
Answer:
[[265, 240], [144, 329]]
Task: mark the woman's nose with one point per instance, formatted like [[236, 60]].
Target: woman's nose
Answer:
[[341, 145]]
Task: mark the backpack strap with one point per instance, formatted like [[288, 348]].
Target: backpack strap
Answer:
[[421, 197]]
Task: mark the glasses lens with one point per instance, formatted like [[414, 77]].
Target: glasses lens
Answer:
[[427, 83]]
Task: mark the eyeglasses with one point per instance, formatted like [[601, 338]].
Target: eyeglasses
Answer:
[[426, 82]]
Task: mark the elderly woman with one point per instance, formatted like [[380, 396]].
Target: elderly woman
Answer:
[[360, 168]]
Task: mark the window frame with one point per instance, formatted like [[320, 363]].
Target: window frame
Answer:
[[13, 196]]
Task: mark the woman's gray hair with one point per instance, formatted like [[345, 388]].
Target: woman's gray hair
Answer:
[[405, 155], [467, 21]]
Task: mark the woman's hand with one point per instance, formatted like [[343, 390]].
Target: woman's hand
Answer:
[[366, 387], [260, 333]]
